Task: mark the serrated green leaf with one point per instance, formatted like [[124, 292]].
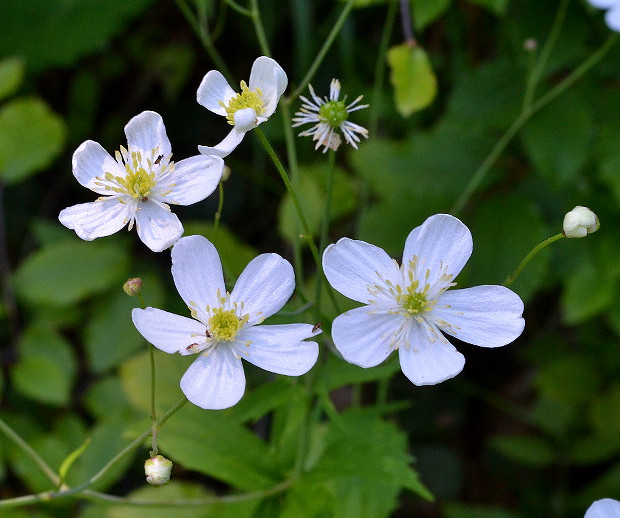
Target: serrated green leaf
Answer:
[[31, 136], [67, 272], [47, 366], [412, 77], [11, 75], [211, 443]]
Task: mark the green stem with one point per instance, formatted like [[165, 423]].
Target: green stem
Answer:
[[240, 9], [260, 30], [25, 447], [529, 257], [329, 188], [544, 55], [525, 115], [322, 53], [220, 206], [300, 214]]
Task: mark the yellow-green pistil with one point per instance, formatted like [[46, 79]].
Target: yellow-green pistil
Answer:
[[333, 113], [224, 324], [246, 99]]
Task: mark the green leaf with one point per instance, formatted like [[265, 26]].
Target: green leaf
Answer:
[[587, 293], [528, 451], [426, 12], [558, 139], [213, 444], [412, 77], [47, 366], [71, 458], [11, 76], [65, 30], [68, 272], [495, 6], [337, 373], [31, 136], [576, 372]]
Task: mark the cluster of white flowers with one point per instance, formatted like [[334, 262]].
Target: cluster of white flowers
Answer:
[[407, 307]]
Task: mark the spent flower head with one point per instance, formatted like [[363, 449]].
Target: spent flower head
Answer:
[[138, 184], [328, 115], [407, 307], [225, 326], [580, 222], [612, 16], [245, 110]]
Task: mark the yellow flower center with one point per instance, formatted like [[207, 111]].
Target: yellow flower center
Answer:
[[246, 99], [142, 173], [224, 324]]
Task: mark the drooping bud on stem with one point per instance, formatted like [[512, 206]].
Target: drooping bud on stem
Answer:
[[580, 222], [157, 470]]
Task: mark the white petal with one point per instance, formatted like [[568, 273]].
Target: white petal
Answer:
[[279, 348], [441, 241], [270, 79], [489, 316], [264, 286], [226, 146], [97, 219], [430, 358], [246, 119], [197, 273], [90, 161], [612, 18], [365, 338], [352, 266], [146, 132], [169, 332], [214, 381], [605, 508], [194, 179], [157, 227], [603, 4], [213, 89]]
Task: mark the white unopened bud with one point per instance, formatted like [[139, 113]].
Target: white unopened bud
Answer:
[[580, 222], [157, 470]]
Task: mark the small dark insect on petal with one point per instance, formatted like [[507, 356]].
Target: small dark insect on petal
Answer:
[[317, 326], [158, 159]]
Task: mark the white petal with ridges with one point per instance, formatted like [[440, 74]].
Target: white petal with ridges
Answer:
[[146, 132], [269, 77], [279, 348], [90, 161], [168, 332], [157, 227], [213, 89], [351, 266], [441, 241], [214, 381], [197, 273], [612, 18], [264, 286], [194, 179], [365, 338], [488, 316], [226, 146], [97, 219], [430, 358]]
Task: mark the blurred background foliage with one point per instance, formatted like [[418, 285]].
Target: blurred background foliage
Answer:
[[530, 429]]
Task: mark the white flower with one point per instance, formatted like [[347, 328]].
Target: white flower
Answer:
[[328, 115], [138, 185], [580, 222], [407, 306], [246, 110], [605, 508], [225, 325], [612, 16]]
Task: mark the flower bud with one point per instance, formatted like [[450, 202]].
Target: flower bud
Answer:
[[133, 286], [580, 222], [157, 470], [225, 173]]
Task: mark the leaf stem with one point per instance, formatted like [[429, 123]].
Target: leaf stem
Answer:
[[511, 278]]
